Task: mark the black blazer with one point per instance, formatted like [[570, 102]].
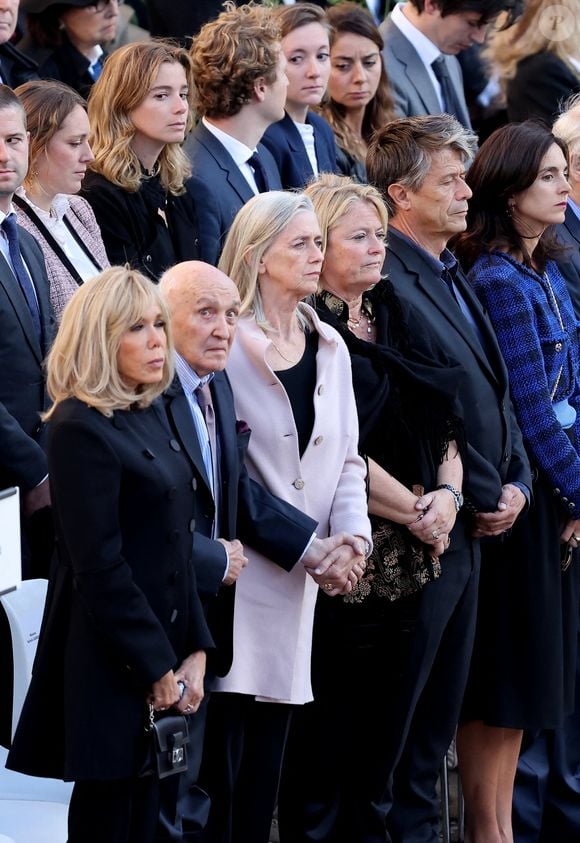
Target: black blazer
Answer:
[[285, 143], [22, 392], [220, 189], [248, 512], [495, 453], [122, 607], [133, 230], [569, 263], [65, 63]]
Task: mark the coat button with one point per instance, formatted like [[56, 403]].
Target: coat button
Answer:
[[319, 440], [558, 346], [506, 457], [173, 443], [571, 506], [148, 258], [149, 454], [174, 615], [192, 525], [298, 483], [556, 491], [564, 500], [170, 494], [194, 484], [320, 389]]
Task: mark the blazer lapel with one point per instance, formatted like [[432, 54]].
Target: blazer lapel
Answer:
[[434, 290], [16, 296], [226, 162], [415, 71], [572, 223], [179, 410]]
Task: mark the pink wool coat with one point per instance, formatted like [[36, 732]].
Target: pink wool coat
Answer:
[[274, 609]]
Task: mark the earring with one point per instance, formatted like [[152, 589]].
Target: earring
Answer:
[[510, 208]]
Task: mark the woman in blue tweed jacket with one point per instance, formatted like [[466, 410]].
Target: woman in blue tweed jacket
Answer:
[[523, 665]]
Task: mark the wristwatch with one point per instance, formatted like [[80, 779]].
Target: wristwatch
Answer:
[[457, 496]]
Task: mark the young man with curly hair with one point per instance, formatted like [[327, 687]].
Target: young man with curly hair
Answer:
[[239, 71]]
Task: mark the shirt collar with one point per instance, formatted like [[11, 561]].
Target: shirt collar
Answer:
[[238, 150], [9, 214], [426, 49], [189, 379]]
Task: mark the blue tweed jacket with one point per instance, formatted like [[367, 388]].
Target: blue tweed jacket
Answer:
[[536, 349]]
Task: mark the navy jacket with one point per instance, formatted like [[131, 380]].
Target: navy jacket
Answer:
[[287, 147]]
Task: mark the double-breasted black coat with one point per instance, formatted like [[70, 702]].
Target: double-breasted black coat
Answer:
[[122, 607]]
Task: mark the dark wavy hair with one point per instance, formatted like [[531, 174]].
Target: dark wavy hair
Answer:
[[350, 17], [507, 164]]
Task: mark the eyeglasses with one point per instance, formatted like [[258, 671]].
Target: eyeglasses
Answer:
[[101, 5]]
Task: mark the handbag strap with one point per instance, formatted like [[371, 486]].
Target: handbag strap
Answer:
[[53, 243]]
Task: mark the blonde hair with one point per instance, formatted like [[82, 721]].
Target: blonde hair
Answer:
[[567, 126], [333, 197], [83, 361], [127, 77], [528, 36], [257, 224]]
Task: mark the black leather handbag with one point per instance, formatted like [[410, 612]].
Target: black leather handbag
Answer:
[[165, 745]]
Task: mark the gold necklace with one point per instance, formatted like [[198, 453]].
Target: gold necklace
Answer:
[[284, 357]]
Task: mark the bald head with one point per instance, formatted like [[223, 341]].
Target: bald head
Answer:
[[204, 305]]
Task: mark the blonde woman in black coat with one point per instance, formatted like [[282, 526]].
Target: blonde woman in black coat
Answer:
[[123, 622]]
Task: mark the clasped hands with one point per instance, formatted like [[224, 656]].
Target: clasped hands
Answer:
[[165, 692], [336, 563]]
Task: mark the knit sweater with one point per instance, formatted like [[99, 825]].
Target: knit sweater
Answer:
[[538, 334]]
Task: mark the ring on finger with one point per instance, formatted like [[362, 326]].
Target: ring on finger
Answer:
[[327, 586], [435, 534], [576, 538]]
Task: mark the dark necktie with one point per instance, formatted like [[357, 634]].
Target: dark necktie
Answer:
[[259, 175], [11, 230], [447, 277], [450, 103], [209, 450]]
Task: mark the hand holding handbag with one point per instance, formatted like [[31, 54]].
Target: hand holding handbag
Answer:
[[166, 745]]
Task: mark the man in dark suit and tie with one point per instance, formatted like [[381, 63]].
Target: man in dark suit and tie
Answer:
[[25, 335], [240, 89], [422, 39], [567, 127], [418, 164], [204, 305]]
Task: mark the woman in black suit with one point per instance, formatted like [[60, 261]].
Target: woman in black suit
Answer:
[[123, 622], [139, 111]]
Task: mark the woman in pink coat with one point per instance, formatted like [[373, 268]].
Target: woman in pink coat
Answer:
[[292, 384]]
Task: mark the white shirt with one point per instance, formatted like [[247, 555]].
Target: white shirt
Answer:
[[238, 150], [307, 134], [54, 222], [426, 49]]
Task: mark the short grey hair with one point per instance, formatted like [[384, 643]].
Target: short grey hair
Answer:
[[567, 126], [401, 151]]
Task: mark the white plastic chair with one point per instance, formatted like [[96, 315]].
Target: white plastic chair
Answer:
[[32, 810]]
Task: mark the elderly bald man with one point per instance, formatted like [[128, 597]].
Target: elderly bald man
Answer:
[[231, 508]]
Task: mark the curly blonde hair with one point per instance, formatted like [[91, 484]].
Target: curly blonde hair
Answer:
[[528, 36], [230, 54], [127, 76], [83, 362]]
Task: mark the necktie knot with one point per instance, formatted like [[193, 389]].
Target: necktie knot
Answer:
[[440, 68], [449, 97]]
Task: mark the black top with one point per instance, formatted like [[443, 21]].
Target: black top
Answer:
[[300, 382], [149, 229]]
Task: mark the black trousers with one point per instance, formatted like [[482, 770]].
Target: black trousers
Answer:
[[117, 811], [242, 757]]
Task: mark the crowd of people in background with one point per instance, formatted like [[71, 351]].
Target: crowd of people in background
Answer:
[[289, 311]]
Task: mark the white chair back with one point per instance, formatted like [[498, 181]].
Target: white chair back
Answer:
[[24, 607]]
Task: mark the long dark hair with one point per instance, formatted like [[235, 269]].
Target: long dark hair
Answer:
[[507, 164], [350, 17]]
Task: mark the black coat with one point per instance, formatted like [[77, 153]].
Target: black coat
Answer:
[[134, 231], [495, 453], [122, 607], [16, 67], [248, 512], [64, 63], [22, 392], [569, 263]]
